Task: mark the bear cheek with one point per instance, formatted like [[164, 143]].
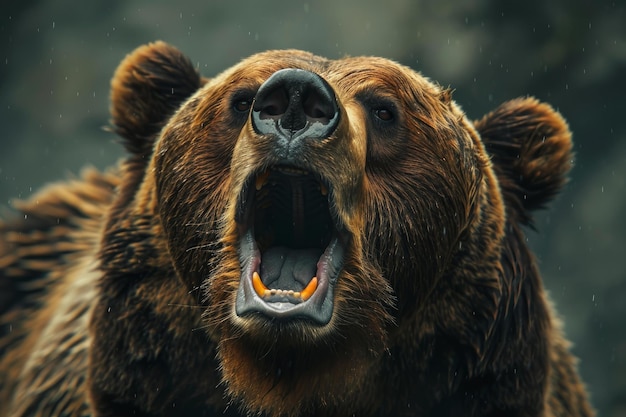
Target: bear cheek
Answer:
[[248, 153], [349, 153], [191, 202]]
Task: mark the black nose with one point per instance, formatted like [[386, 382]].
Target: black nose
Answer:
[[294, 103]]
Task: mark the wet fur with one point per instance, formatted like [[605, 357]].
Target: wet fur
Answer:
[[117, 289]]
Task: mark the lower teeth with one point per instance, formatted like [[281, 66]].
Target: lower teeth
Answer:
[[282, 293]]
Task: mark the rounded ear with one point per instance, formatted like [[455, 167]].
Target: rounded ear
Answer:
[[531, 149], [148, 87]]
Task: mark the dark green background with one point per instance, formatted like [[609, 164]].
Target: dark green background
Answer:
[[56, 59]]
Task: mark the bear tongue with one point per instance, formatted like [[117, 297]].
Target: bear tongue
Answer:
[[289, 269]]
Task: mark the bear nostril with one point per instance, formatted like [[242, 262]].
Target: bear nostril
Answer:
[[318, 108], [275, 104], [295, 102]]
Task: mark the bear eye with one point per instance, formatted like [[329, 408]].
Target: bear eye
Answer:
[[382, 109], [383, 114], [242, 105]]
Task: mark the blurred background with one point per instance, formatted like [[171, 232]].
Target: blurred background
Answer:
[[57, 57]]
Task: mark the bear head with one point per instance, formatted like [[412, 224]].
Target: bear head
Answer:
[[319, 218]]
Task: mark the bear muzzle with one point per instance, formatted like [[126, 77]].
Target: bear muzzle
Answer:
[[293, 204]]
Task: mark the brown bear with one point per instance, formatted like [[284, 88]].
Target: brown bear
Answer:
[[295, 236]]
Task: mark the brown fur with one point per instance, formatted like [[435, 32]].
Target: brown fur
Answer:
[[118, 290]]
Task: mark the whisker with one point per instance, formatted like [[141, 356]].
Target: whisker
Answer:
[[184, 305], [197, 224], [195, 329], [206, 245]]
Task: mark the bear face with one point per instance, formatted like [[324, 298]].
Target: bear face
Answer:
[[328, 186], [302, 236], [303, 200]]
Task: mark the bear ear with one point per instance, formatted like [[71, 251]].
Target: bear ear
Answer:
[[148, 87], [531, 150]]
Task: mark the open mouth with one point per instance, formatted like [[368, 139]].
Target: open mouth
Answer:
[[291, 246]]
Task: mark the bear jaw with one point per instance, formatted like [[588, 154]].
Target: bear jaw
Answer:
[[291, 276]]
